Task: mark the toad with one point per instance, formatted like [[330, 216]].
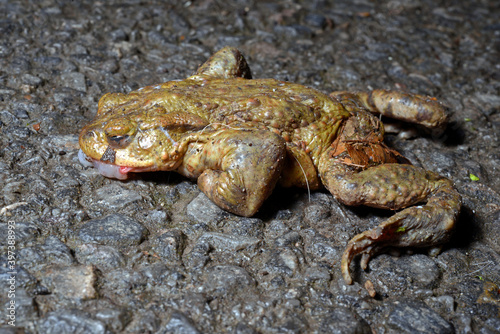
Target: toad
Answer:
[[240, 137]]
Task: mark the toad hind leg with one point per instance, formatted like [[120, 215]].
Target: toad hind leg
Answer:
[[236, 168], [412, 108], [394, 186]]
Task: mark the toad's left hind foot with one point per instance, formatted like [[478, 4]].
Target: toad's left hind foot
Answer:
[[393, 186], [428, 225]]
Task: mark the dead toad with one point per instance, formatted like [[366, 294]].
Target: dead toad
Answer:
[[240, 137]]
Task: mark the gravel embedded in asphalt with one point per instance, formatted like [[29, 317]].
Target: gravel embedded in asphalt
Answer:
[[154, 255]]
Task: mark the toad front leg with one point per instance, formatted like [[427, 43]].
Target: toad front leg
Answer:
[[393, 186], [236, 168]]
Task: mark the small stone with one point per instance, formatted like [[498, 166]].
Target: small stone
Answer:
[[155, 216], [56, 252], [276, 228], [25, 232], [244, 328], [74, 80], [20, 64], [114, 318], [321, 249], [417, 270], [315, 20], [67, 182], [289, 239], [115, 230], [289, 259], [144, 322], [250, 227], [316, 212], [159, 273], [317, 274], [203, 210], [491, 326], [26, 310], [69, 321], [222, 241], [103, 257], [198, 256], [118, 35], [370, 288], [443, 304], [70, 282], [7, 117], [110, 66], [113, 196], [124, 279], [343, 320], [416, 317], [180, 323], [284, 261], [31, 80], [227, 280], [21, 113], [170, 245]]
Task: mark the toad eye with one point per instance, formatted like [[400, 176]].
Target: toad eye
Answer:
[[119, 141], [120, 132]]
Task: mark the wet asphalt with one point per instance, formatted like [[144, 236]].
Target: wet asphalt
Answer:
[[154, 255]]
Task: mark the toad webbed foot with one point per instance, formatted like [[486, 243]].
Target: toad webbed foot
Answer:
[[394, 186]]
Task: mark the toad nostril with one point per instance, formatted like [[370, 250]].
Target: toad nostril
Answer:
[[89, 134]]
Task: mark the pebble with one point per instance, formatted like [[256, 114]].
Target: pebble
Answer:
[[26, 233], [321, 249], [26, 308], [416, 317], [144, 321], [415, 271], [491, 231], [180, 323], [104, 257], [203, 210], [289, 239], [70, 282], [317, 274], [283, 261], [229, 242], [315, 20], [74, 80], [55, 252], [115, 319], [343, 320], [226, 280], [199, 254], [491, 326], [115, 197], [169, 245], [69, 321], [250, 227], [114, 230]]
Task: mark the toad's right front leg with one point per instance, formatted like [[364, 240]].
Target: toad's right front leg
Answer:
[[236, 168]]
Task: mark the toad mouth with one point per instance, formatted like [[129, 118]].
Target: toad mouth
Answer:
[[111, 170]]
